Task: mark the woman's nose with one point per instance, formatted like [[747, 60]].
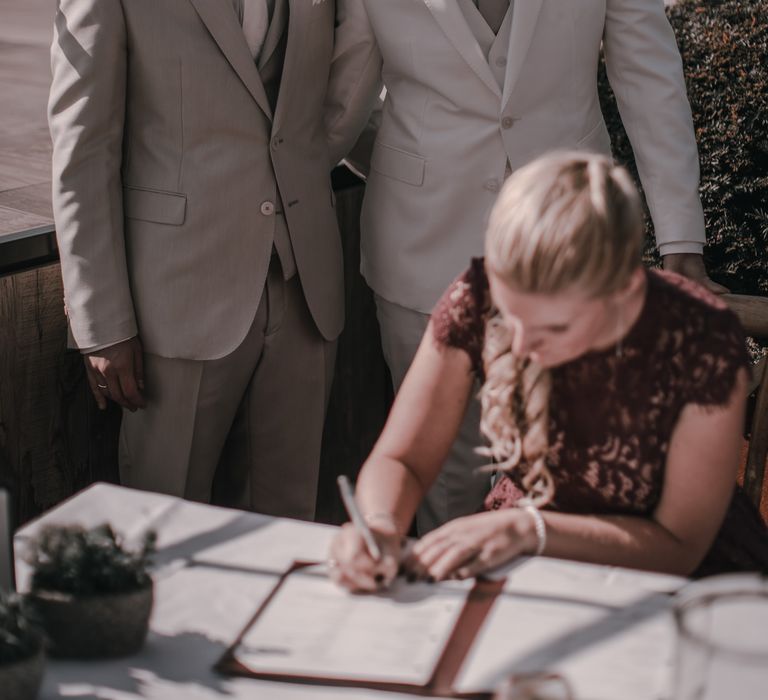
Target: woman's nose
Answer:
[[532, 345], [527, 341]]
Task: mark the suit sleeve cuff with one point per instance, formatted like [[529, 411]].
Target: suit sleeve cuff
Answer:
[[95, 348], [681, 247]]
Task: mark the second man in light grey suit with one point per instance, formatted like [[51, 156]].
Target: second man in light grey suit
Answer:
[[476, 89]]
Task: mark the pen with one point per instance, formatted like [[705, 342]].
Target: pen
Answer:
[[348, 496]]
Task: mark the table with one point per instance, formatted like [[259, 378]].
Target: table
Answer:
[[26, 219], [609, 629]]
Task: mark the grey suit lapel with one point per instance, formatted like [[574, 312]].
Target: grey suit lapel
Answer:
[[451, 20], [228, 34], [524, 16]]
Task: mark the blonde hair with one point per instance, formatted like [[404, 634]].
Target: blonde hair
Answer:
[[565, 220]]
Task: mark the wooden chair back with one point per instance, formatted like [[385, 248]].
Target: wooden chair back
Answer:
[[753, 313]]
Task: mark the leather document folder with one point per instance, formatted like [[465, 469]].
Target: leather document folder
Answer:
[[472, 604]]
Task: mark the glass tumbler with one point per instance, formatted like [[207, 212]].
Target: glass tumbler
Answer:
[[722, 639], [534, 686]]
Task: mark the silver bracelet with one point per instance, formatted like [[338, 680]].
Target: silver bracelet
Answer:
[[538, 525]]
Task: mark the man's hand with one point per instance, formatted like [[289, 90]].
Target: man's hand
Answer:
[[691, 265], [117, 372]]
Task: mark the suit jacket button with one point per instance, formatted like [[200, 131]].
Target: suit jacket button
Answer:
[[507, 123], [267, 208], [491, 185]]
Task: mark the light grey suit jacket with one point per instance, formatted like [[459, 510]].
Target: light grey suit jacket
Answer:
[[448, 127], [166, 159]]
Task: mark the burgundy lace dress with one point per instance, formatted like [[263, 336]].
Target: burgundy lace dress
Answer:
[[612, 413]]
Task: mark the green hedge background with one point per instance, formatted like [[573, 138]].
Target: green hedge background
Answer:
[[724, 46]]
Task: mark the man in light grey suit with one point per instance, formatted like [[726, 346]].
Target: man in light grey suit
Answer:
[[199, 246], [475, 89]]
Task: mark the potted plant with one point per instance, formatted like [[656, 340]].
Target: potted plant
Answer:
[[93, 595], [21, 651]]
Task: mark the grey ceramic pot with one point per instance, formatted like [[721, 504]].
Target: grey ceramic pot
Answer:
[[98, 626], [21, 680]]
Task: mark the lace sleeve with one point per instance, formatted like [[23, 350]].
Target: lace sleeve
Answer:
[[458, 320], [717, 354]]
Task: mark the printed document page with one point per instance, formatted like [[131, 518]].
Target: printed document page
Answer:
[[313, 628], [609, 632]]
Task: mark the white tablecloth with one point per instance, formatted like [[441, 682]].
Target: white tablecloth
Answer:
[[609, 630]]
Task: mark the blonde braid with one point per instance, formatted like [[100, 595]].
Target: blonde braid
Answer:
[[537, 481], [515, 415]]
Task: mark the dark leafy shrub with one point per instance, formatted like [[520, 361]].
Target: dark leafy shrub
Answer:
[[19, 638], [724, 45], [88, 562]]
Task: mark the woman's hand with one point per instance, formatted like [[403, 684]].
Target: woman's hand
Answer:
[[473, 544], [350, 564]]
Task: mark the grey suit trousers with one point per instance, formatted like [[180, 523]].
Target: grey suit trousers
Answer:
[[244, 430], [459, 490]]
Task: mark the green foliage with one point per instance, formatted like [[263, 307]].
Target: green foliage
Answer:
[[88, 562], [19, 638], [724, 44]]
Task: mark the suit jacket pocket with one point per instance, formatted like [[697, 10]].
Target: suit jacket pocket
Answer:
[[157, 206], [399, 164]]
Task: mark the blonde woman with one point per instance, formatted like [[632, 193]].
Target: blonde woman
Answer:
[[612, 400]]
